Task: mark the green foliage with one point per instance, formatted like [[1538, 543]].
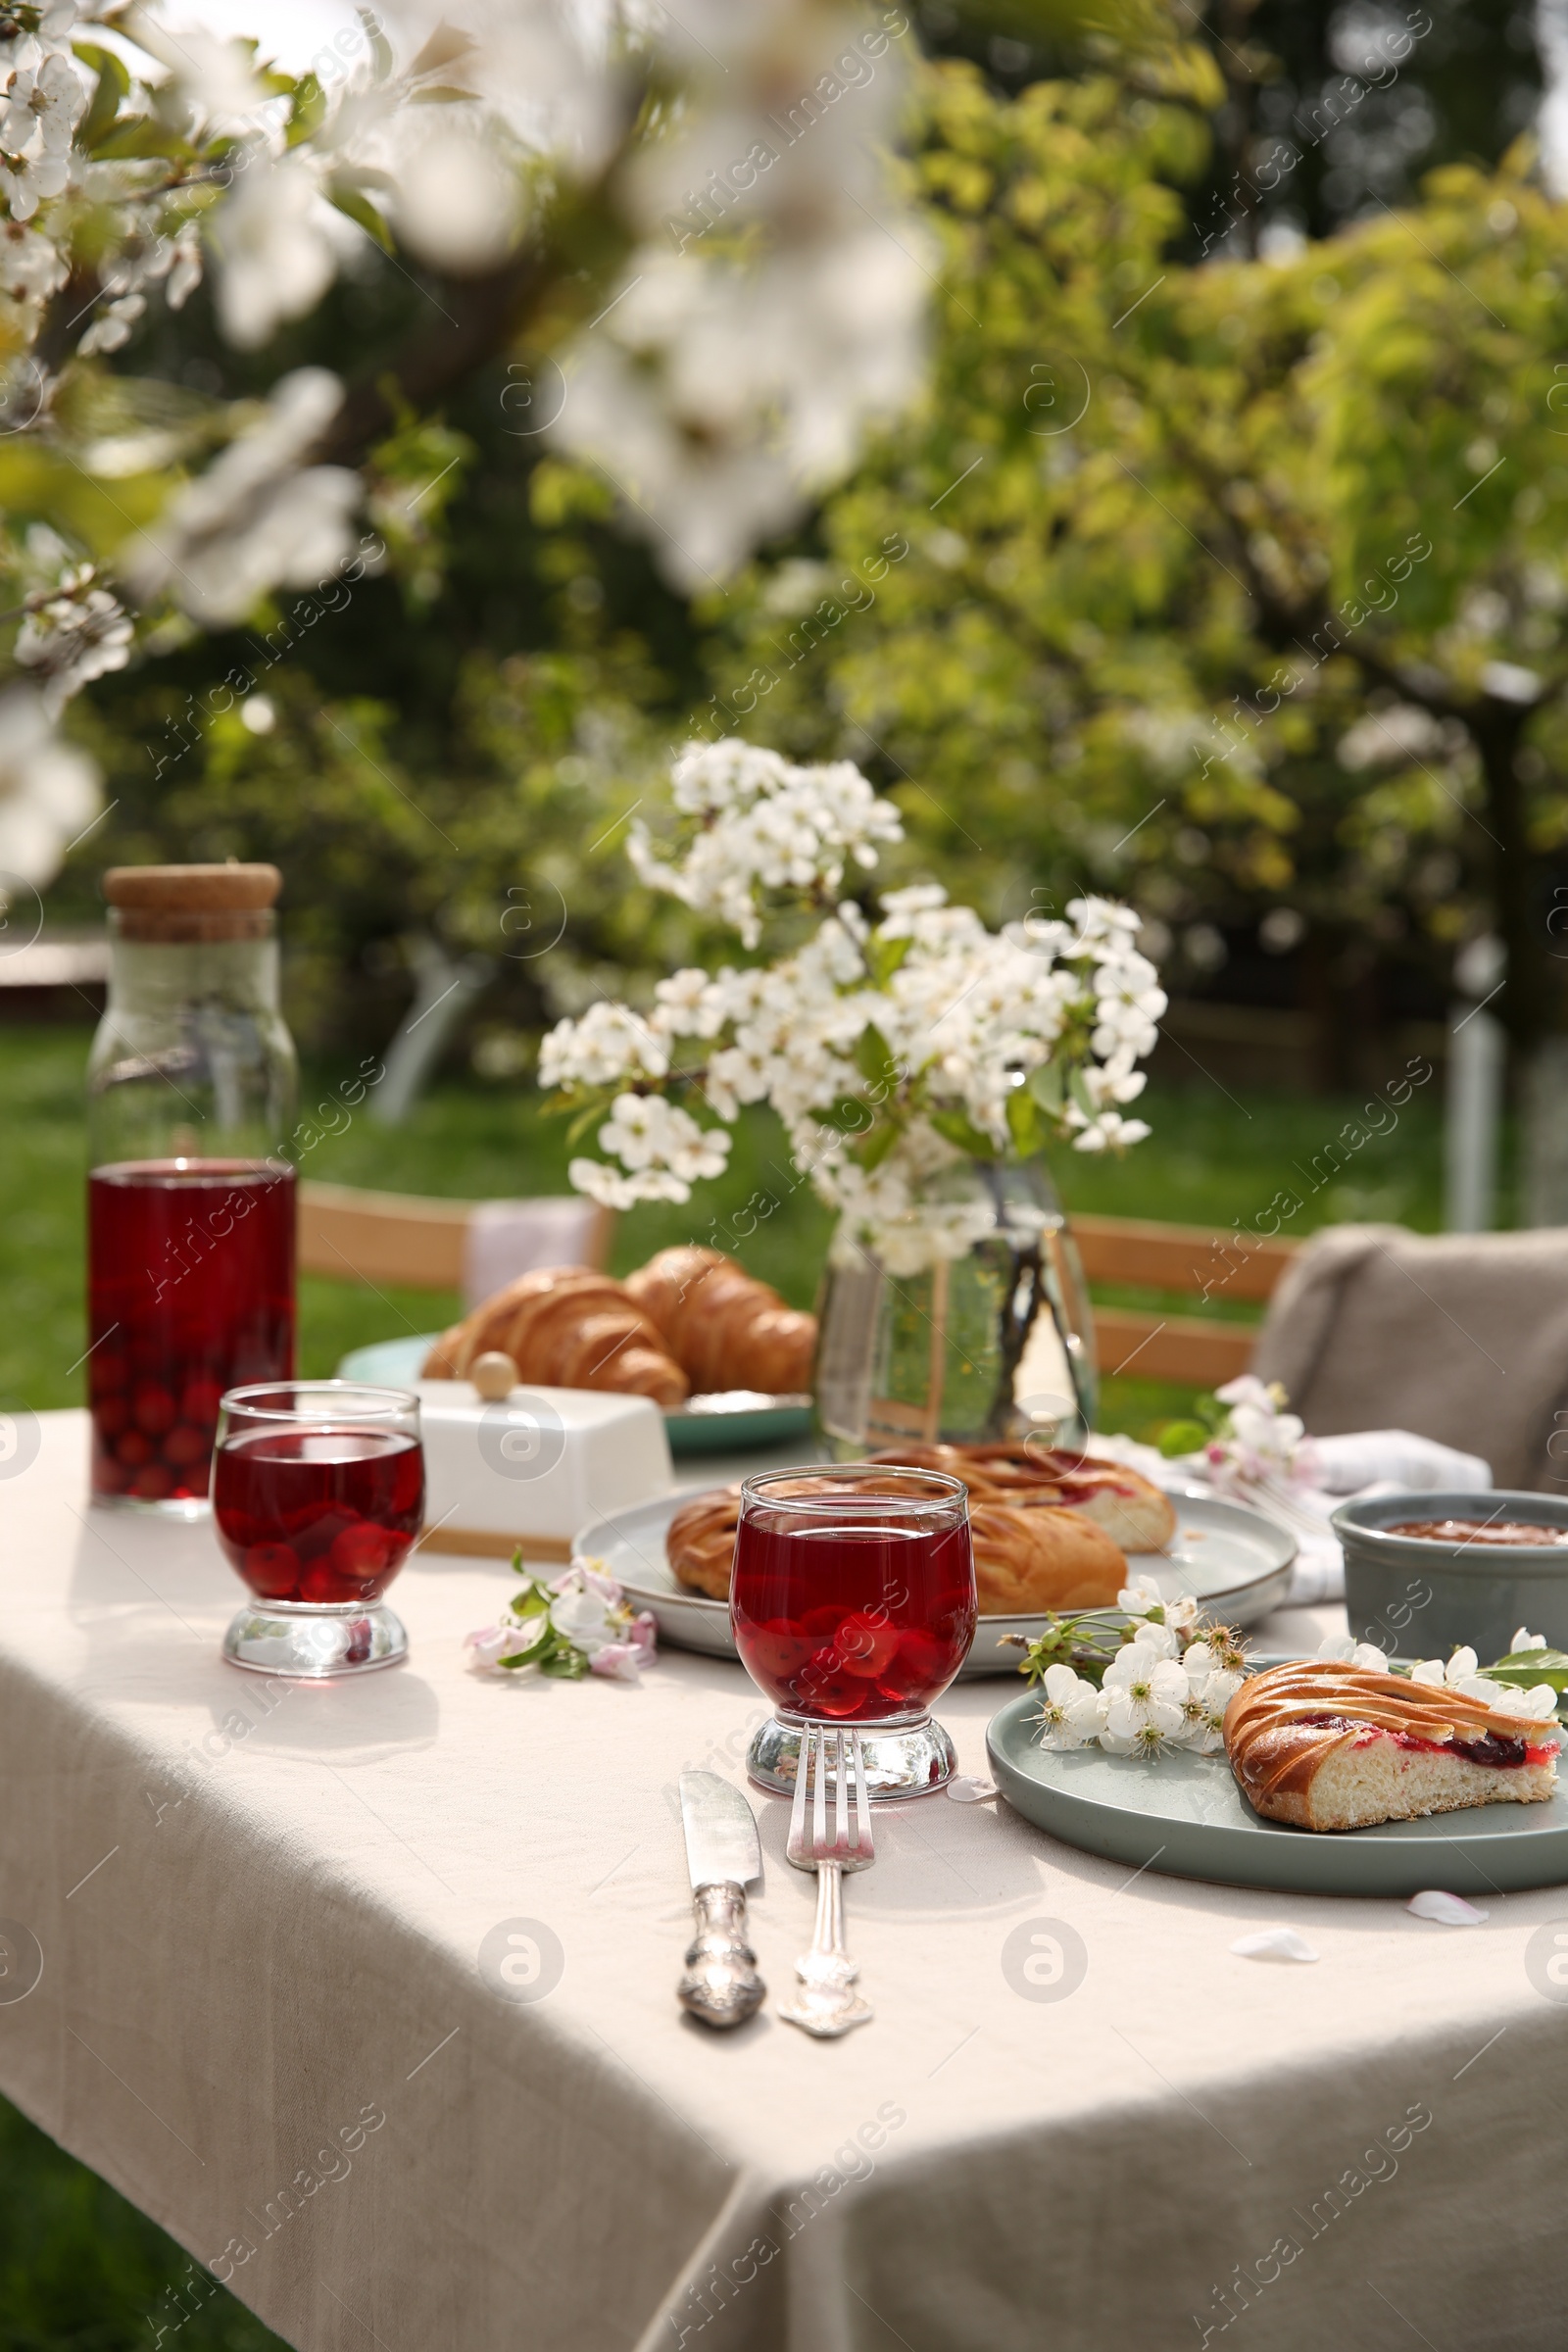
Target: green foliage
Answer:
[[1226, 584]]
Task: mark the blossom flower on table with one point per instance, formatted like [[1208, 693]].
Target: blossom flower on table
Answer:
[[1260, 1443], [1208, 1694], [1149, 1609], [1342, 1650], [1069, 1709], [574, 1624], [1462, 1672], [1144, 1697]]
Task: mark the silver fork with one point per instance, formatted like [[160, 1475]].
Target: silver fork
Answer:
[[827, 2003]]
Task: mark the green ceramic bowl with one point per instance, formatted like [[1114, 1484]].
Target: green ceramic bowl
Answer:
[[1425, 1597]]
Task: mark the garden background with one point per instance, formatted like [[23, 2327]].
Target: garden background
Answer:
[[1245, 340]]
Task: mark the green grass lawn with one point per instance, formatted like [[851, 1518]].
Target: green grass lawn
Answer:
[[80, 2268]]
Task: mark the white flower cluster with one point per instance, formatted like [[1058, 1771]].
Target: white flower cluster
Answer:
[[48, 789], [722, 379], [1261, 1444], [774, 308], [1156, 1695], [662, 1147], [44, 99], [892, 1052], [765, 824], [1462, 1673], [256, 519], [73, 632]]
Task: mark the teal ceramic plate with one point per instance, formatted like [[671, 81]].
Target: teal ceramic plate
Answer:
[[738, 1421], [389, 1364], [1185, 1814]]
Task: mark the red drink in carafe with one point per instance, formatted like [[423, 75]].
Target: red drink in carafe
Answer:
[[854, 1625], [190, 1290], [322, 1516]]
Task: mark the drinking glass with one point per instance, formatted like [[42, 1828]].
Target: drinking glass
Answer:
[[318, 1498], [853, 1606]]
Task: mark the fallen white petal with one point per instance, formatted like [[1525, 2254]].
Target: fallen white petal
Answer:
[[1448, 1910], [1274, 1943], [965, 1789]]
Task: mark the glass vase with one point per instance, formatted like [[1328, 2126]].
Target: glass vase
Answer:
[[995, 1342]]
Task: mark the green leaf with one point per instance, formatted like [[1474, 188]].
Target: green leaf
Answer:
[[847, 1114], [569, 1665], [113, 84], [874, 1146], [138, 136], [957, 1128], [307, 111], [874, 1059], [358, 206], [1525, 1667], [883, 957], [585, 1118], [1025, 1123], [1045, 1086], [1182, 1437], [532, 1603], [1081, 1095]]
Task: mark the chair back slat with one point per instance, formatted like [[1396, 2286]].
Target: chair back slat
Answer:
[[1180, 1257]]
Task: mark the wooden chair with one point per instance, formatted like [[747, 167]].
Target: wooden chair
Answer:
[[421, 1243], [1148, 1345]]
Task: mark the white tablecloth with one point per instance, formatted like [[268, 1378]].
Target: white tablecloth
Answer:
[[273, 2011]]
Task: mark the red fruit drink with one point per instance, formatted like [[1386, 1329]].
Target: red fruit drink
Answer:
[[190, 1290], [319, 1516], [852, 1625]]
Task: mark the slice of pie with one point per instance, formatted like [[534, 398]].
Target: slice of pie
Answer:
[[1329, 1747]]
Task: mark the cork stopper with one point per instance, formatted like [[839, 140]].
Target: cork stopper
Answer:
[[193, 903]]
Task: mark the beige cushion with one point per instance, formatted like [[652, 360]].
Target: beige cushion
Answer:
[[1459, 1337]]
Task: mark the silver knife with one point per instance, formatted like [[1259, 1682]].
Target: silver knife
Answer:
[[721, 1985]]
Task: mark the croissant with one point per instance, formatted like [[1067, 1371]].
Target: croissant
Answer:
[[700, 1542], [1326, 1746], [564, 1327], [1132, 1510], [725, 1329]]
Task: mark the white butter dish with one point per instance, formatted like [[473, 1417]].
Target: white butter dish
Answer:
[[534, 1466]]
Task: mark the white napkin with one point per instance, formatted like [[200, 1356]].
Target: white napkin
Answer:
[[1367, 1461], [1397, 1459]]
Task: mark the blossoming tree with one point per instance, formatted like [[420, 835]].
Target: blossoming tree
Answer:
[[685, 224]]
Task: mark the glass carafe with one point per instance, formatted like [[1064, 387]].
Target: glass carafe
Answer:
[[190, 1196]]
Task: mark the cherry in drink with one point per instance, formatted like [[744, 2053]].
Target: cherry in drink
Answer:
[[190, 1279], [318, 1517], [847, 1608]]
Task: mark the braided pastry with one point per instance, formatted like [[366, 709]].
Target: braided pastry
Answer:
[[700, 1542], [1326, 1746], [725, 1329], [1024, 1561], [1132, 1510], [564, 1327]]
